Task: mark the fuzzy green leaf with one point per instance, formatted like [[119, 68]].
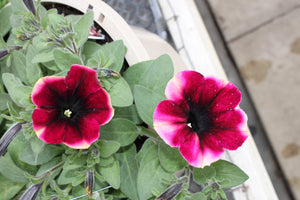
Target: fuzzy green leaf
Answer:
[[82, 28], [19, 63], [226, 171], [158, 74], [202, 175], [146, 146], [134, 73], [89, 50], [146, 101], [170, 158], [107, 148], [111, 173], [19, 93], [151, 174], [119, 91], [120, 130], [39, 152], [129, 113], [15, 148], [128, 171], [64, 59], [4, 98], [33, 71], [75, 177], [115, 53], [43, 57], [11, 171], [5, 14], [9, 188]]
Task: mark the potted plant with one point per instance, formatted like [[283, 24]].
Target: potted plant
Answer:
[[78, 122]]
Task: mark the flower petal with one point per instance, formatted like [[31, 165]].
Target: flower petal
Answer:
[[210, 90], [171, 112], [83, 135], [191, 151], [53, 133], [47, 90], [82, 80], [228, 98], [185, 84], [100, 106], [212, 149], [231, 119], [42, 117], [200, 153], [231, 129], [173, 134]]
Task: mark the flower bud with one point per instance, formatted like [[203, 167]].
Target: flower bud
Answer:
[[171, 192], [89, 183], [32, 192], [8, 136], [30, 6], [3, 53]]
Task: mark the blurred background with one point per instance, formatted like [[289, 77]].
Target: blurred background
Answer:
[[258, 44]]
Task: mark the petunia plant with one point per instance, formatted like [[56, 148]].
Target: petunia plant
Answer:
[[78, 123]]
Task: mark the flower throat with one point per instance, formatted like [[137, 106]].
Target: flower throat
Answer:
[[199, 121]]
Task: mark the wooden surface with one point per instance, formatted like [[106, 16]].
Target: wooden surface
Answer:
[[195, 47]]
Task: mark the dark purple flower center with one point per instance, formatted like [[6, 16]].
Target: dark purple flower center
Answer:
[[71, 108], [199, 120]]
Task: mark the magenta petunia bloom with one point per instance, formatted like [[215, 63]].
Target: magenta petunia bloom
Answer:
[[200, 117], [70, 109]]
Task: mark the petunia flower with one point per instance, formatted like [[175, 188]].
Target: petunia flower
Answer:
[[70, 109], [200, 117]]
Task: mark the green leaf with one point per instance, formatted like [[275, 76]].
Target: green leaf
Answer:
[[129, 113], [128, 171], [198, 196], [33, 71], [46, 166], [170, 158], [89, 50], [4, 98], [19, 93], [146, 146], [111, 173], [202, 175], [106, 161], [151, 175], [119, 91], [5, 14], [45, 19], [158, 74], [39, 152], [82, 28], [18, 5], [19, 63], [115, 53], [226, 171], [75, 177], [134, 73], [43, 57], [9, 188], [120, 130], [107, 148], [11, 171], [15, 148], [64, 59], [146, 102], [75, 161]]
